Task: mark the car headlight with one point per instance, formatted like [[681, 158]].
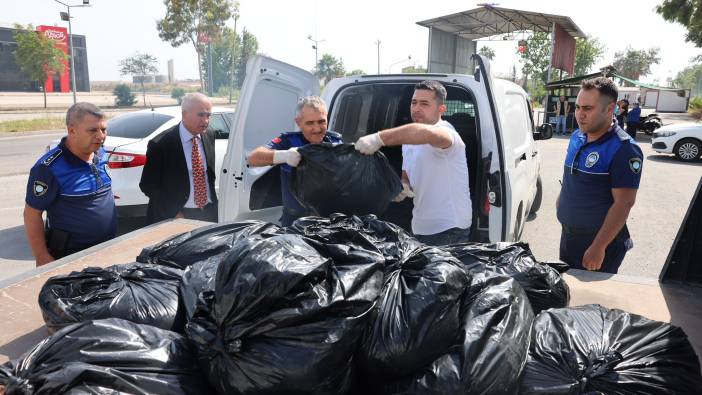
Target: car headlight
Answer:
[[663, 134]]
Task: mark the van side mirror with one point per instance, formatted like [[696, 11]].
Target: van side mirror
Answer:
[[544, 132]]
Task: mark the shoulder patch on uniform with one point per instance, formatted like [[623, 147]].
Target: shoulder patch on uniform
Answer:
[[635, 165], [39, 188], [276, 140], [591, 159], [49, 159]]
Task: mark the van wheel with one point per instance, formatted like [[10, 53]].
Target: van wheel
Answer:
[[536, 205], [688, 150]]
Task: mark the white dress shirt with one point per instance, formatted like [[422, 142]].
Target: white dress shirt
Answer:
[[186, 138]]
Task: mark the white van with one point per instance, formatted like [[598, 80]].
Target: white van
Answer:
[[493, 117]]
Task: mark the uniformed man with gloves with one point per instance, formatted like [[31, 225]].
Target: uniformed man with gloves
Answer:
[[434, 168], [311, 118]]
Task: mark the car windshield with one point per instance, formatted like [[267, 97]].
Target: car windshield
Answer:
[[136, 125]]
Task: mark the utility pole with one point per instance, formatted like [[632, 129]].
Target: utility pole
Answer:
[[66, 16], [377, 43], [315, 47]]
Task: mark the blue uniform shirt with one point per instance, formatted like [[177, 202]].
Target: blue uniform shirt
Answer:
[[634, 115], [591, 171], [286, 141], [76, 195]]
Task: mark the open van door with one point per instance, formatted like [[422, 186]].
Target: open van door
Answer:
[[266, 108], [499, 196]]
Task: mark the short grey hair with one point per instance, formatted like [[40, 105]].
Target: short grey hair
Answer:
[[191, 98], [315, 102], [77, 111]]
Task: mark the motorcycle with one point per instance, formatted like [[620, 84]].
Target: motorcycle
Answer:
[[650, 123]]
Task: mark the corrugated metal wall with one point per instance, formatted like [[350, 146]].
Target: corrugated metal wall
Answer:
[[449, 53]]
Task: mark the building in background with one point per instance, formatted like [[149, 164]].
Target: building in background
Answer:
[[13, 80]]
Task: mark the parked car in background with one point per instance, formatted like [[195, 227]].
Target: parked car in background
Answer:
[[127, 138], [682, 139]]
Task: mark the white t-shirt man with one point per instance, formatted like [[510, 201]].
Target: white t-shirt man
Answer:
[[439, 179]]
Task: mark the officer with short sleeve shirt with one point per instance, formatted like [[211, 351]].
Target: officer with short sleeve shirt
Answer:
[[601, 177], [71, 183], [311, 118]]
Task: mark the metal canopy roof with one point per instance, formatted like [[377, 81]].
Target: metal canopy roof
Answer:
[[489, 21]]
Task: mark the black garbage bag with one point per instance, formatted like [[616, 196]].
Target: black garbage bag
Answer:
[[197, 278], [489, 354], [285, 316], [417, 316], [543, 284], [365, 232], [591, 349], [138, 292], [106, 357], [208, 242], [337, 178]]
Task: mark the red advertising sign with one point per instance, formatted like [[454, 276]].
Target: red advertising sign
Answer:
[[60, 36]]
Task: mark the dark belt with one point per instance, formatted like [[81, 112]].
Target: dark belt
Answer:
[[571, 230], [195, 209]]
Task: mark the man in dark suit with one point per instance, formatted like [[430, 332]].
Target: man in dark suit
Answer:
[[179, 175]]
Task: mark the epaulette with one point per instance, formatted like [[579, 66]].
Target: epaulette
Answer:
[[49, 159]]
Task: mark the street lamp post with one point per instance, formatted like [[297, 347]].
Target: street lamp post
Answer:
[[315, 47], [377, 42], [67, 17], [409, 57]]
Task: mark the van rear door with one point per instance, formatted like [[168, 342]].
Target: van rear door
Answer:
[[266, 108], [498, 193]]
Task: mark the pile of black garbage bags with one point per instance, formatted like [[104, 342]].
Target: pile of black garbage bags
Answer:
[[339, 305]]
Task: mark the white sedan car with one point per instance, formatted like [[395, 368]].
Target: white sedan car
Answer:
[[127, 138], [682, 139]]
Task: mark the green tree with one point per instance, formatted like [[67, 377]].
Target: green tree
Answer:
[[635, 63], [690, 78], [487, 52], [687, 13], [124, 96], [414, 70], [178, 93], [189, 20], [356, 72], [536, 57], [37, 56], [588, 50], [139, 65], [330, 67], [225, 55], [249, 49]]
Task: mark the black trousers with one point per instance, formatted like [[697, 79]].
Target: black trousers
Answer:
[[575, 243], [207, 213], [449, 236], [631, 128]]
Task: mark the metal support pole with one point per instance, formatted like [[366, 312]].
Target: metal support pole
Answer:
[[377, 42], [72, 52], [210, 80]]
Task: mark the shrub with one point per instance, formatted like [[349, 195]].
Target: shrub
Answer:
[[178, 93], [695, 109], [124, 96]]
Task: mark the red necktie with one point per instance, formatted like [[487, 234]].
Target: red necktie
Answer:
[[199, 184]]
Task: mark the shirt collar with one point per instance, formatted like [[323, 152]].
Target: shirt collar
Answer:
[[71, 157], [608, 135], [185, 135]]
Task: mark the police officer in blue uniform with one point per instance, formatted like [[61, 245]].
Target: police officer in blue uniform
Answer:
[[311, 118], [71, 183], [601, 177]]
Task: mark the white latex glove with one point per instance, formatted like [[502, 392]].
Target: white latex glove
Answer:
[[289, 156], [406, 192], [369, 144]]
